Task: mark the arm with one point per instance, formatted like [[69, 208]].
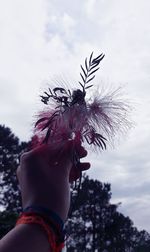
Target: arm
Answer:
[[25, 238], [44, 176]]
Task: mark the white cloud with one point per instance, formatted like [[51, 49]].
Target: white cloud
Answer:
[[89, 7]]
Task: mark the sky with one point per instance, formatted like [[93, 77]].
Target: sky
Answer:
[[41, 40]]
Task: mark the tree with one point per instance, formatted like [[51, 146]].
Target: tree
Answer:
[[10, 151], [142, 241], [7, 222], [89, 211], [96, 224]]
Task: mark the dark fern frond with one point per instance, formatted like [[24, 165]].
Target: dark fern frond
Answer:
[[91, 67], [94, 138], [53, 94]]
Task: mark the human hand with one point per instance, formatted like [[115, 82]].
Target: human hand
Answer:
[[45, 174]]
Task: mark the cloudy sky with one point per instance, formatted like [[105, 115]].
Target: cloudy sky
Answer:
[[41, 38]]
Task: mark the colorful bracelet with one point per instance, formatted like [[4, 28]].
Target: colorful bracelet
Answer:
[[50, 217], [51, 229]]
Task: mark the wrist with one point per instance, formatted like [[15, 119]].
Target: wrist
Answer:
[[49, 222], [47, 213]]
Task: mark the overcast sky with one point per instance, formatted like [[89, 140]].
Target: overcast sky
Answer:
[[41, 38]]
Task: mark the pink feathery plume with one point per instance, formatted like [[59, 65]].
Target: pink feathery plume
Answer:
[[73, 117]]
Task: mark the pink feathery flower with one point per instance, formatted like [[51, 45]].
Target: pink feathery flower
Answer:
[[95, 122]]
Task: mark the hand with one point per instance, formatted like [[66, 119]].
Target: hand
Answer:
[[78, 167], [45, 174]]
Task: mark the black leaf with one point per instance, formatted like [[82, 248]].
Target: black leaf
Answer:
[[91, 79], [98, 57], [102, 137], [103, 143], [86, 64], [99, 144], [86, 138], [62, 90], [89, 86], [94, 66], [81, 84], [50, 91], [47, 94], [44, 99], [90, 60], [83, 71], [93, 71], [69, 92], [82, 77]]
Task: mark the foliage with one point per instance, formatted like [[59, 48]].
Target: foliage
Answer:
[[7, 222], [10, 151], [96, 224]]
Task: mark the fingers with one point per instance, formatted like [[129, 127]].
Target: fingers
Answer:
[[77, 170], [61, 154], [81, 152], [63, 149], [83, 166], [74, 175]]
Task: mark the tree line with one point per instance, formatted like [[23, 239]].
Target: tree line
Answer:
[[94, 223]]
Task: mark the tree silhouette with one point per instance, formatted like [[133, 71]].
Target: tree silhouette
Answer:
[[96, 224], [7, 222], [10, 151]]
